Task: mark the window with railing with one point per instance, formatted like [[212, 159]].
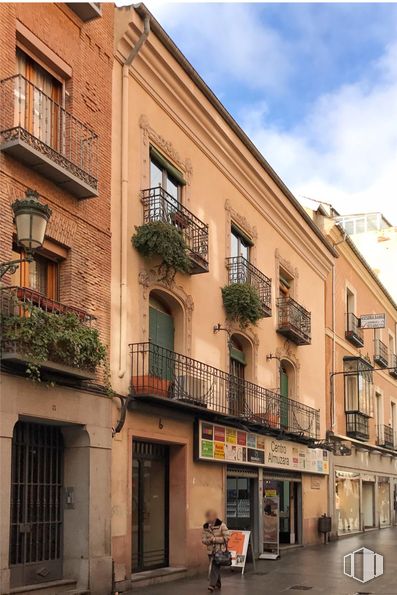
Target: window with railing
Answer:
[[294, 321], [358, 386], [242, 271], [381, 355], [36, 128], [353, 331], [159, 205]]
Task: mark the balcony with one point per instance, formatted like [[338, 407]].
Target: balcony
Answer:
[[357, 426], [165, 376], [242, 271], [381, 353], [353, 332], [73, 349], [385, 436], [41, 134], [294, 322], [87, 11], [393, 365], [158, 205]]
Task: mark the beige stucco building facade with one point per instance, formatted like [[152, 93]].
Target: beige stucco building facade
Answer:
[[361, 373], [216, 417]]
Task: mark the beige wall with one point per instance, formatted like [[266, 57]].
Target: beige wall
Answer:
[[225, 184]]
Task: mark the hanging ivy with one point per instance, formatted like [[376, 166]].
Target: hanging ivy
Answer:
[[165, 241], [44, 336], [242, 304]]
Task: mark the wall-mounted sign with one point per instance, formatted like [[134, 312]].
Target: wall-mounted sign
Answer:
[[229, 445], [223, 444], [373, 321], [281, 454]]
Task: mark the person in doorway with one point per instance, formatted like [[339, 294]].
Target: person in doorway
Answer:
[[215, 536]]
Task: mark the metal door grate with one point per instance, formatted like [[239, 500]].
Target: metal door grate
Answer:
[[36, 503]]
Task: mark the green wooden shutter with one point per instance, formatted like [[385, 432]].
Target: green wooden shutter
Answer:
[[284, 398], [161, 334]]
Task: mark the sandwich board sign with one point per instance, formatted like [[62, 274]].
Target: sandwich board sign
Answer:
[[373, 321], [271, 525], [238, 547]]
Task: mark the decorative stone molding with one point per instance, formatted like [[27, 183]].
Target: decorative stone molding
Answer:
[[149, 280], [148, 135], [252, 337], [288, 353], [290, 269], [233, 216]]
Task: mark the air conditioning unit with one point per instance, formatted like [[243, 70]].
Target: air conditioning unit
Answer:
[[191, 390]]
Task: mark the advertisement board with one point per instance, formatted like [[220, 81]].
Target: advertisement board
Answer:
[[238, 547], [271, 520], [224, 444], [229, 445]]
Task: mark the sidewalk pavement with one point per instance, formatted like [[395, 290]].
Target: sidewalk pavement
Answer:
[[313, 570]]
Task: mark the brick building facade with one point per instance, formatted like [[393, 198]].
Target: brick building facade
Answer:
[[55, 136]]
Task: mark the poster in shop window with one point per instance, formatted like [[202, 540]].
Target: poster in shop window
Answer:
[[271, 521], [238, 547]]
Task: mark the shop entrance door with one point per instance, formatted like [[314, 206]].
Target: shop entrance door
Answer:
[[290, 509], [240, 508], [368, 504], [150, 510], [36, 531]]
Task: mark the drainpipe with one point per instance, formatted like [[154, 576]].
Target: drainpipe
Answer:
[[332, 383], [124, 194]]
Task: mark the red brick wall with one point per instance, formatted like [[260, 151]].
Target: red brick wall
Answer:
[[81, 226]]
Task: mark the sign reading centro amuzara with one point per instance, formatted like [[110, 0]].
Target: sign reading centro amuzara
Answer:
[[218, 443], [373, 321]]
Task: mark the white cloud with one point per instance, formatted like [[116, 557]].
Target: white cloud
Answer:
[[229, 42], [345, 149]]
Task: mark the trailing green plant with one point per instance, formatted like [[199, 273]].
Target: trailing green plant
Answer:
[[165, 241], [44, 336], [242, 304]]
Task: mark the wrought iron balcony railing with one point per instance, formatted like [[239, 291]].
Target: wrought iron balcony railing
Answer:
[[353, 332], [381, 354], [385, 436], [16, 303], [158, 205], [294, 321], [39, 132], [242, 271], [393, 365], [158, 373], [357, 426]]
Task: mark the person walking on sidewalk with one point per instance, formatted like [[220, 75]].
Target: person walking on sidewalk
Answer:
[[215, 536]]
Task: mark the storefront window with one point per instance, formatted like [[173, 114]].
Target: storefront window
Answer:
[[347, 501], [384, 501], [358, 386]]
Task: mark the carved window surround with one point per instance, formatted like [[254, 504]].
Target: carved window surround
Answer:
[[149, 280], [150, 136], [288, 268], [233, 216]]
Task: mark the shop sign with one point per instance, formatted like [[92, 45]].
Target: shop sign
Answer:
[[281, 454], [373, 321], [225, 444], [215, 442]]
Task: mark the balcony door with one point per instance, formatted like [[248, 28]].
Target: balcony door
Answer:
[[161, 336], [38, 100], [237, 376], [284, 392]]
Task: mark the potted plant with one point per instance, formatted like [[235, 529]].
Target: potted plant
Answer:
[[242, 304]]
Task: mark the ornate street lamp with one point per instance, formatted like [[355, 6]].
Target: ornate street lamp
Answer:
[[31, 218]]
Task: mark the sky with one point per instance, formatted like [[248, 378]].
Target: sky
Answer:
[[313, 85]]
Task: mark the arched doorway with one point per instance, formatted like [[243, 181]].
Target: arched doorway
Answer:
[[239, 356]]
